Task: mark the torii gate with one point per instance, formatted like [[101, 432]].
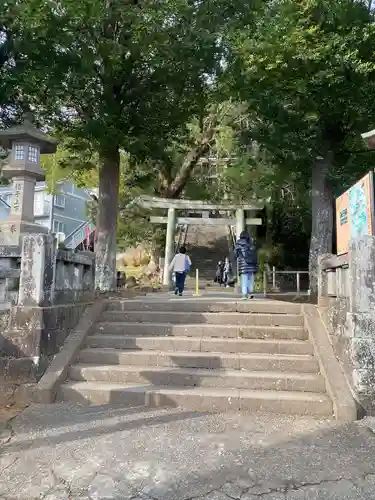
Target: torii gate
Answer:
[[240, 221]]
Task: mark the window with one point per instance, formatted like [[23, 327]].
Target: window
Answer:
[[60, 201], [39, 204], [44, 222], [19, 153], [58, 226], [33, 154]]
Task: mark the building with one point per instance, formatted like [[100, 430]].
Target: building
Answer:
[[4, 210], [64, 213]]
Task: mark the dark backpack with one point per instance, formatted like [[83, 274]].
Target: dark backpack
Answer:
[[249, 254]]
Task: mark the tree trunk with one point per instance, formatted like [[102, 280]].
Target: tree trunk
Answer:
[[269, 212], [176, 187], [178, 184], [322, 217], [109, 180]]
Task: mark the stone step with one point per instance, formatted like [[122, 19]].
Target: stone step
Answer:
[[252, 362], [203, 305], [181, 377], [203, 318], [201, 330], [198, 398], [188, 344], [211, 287]]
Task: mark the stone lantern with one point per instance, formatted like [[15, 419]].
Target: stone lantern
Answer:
[[26, 143]]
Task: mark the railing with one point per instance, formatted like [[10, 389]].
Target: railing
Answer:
[[275, 280], [74, 276], [10, 261], [46, 292], [186, 229], [232, 237], [283, 282], [77, 236], [181, 239], [232, 246], [333, 276]]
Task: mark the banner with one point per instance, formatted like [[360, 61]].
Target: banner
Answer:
[[355, 213]]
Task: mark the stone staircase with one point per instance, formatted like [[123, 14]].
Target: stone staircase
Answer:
[[211, 354], [207, 245]]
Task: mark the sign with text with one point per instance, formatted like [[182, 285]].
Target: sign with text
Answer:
[[355, 213]]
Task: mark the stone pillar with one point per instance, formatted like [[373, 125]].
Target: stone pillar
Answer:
[[22, 206], [169, 244], [361, 319], [240, 221], [252, 229], [38, 264]]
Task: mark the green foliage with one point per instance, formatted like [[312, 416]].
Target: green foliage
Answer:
[[131, 78], [307, 71], [207, 100], [214, 137]]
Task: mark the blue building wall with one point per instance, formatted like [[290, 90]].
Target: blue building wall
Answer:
[[4, 210], [69, 206]]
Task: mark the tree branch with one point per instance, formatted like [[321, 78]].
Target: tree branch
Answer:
[[175, 189]]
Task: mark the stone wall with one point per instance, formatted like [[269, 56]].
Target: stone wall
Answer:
[[74, 277], [39, 332], [17, 374], [54, 289], [347, 305], [10, 262]]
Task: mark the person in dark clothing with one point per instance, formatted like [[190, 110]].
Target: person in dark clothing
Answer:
[[227, 272], [247, 263], [219, 273]]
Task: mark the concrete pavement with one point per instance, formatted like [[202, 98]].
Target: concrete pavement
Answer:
[[65, 452]]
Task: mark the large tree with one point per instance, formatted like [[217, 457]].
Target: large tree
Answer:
[[306, 68], [120, 75]]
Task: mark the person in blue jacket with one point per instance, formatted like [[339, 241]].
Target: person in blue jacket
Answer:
[[247, 263]]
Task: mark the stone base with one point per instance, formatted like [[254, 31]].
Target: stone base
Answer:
[[18, 378], [21, 370], [12, 232], [39, 332]]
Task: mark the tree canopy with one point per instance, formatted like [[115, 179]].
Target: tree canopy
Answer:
[[119, 75], [306, 70], [261, 99]]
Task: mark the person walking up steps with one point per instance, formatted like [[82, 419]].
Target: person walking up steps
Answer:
[[227, 275], [246, 255], [180, 265], [219, 273]]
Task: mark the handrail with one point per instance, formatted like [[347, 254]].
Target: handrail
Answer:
[[232, 246], [273, 273], [232, 236], [329, 262], [78, 235], [185, 233], [76, 229], [177, 243], [182, 235], [335, 277]]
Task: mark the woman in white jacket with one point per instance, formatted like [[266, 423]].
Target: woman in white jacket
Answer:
[[180, 265]]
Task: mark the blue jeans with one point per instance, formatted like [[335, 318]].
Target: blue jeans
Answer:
[[247, 283], [180, 282]]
